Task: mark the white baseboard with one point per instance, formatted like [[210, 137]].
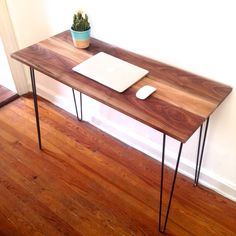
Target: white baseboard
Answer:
[[186, 167], [61, 101]]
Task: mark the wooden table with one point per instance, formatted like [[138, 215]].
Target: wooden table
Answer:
[[181, 104]]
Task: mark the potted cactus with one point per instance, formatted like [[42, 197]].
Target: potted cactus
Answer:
[[80, 30]]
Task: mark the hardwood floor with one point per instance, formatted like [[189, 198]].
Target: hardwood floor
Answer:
[[6, 96], [85, 182]]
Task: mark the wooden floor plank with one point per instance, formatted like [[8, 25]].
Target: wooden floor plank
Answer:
[[85, 182]]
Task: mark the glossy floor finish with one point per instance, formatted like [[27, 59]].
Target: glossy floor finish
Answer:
[[85, 182]]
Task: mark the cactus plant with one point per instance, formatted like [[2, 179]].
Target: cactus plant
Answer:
[[80, 30], [80, 22]]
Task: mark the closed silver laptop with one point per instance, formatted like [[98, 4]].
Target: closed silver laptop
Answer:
[[110, 71]]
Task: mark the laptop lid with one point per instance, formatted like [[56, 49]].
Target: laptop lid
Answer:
[[110, 71]]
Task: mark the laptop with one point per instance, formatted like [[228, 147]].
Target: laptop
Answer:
[[111, 71]]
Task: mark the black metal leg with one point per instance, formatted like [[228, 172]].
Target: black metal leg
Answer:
[[162, 229], [200, 151], [32, 76], [76, 109], [81, 106]]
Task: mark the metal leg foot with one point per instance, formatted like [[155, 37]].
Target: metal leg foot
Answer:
[[81, 108], [162, 229], [32, 76], [200, 151]]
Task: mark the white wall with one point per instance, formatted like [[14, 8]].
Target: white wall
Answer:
[[5, 72], [198, 36], [9, 43]]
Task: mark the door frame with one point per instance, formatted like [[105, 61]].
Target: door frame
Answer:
[[8, 37]]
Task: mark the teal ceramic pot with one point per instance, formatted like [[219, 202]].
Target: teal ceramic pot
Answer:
[[81, 39]]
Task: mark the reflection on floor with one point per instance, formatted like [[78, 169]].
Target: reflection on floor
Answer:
[[85, 182]]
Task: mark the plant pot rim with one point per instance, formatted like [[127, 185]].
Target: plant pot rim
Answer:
[[80, 31]]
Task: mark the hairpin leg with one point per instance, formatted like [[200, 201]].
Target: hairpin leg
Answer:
[[81, 108], [200, 151], [162, 229], [32, 76]]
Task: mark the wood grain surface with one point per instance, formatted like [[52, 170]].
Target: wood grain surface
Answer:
[[86, 182], [6, 96], [180, 105]]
